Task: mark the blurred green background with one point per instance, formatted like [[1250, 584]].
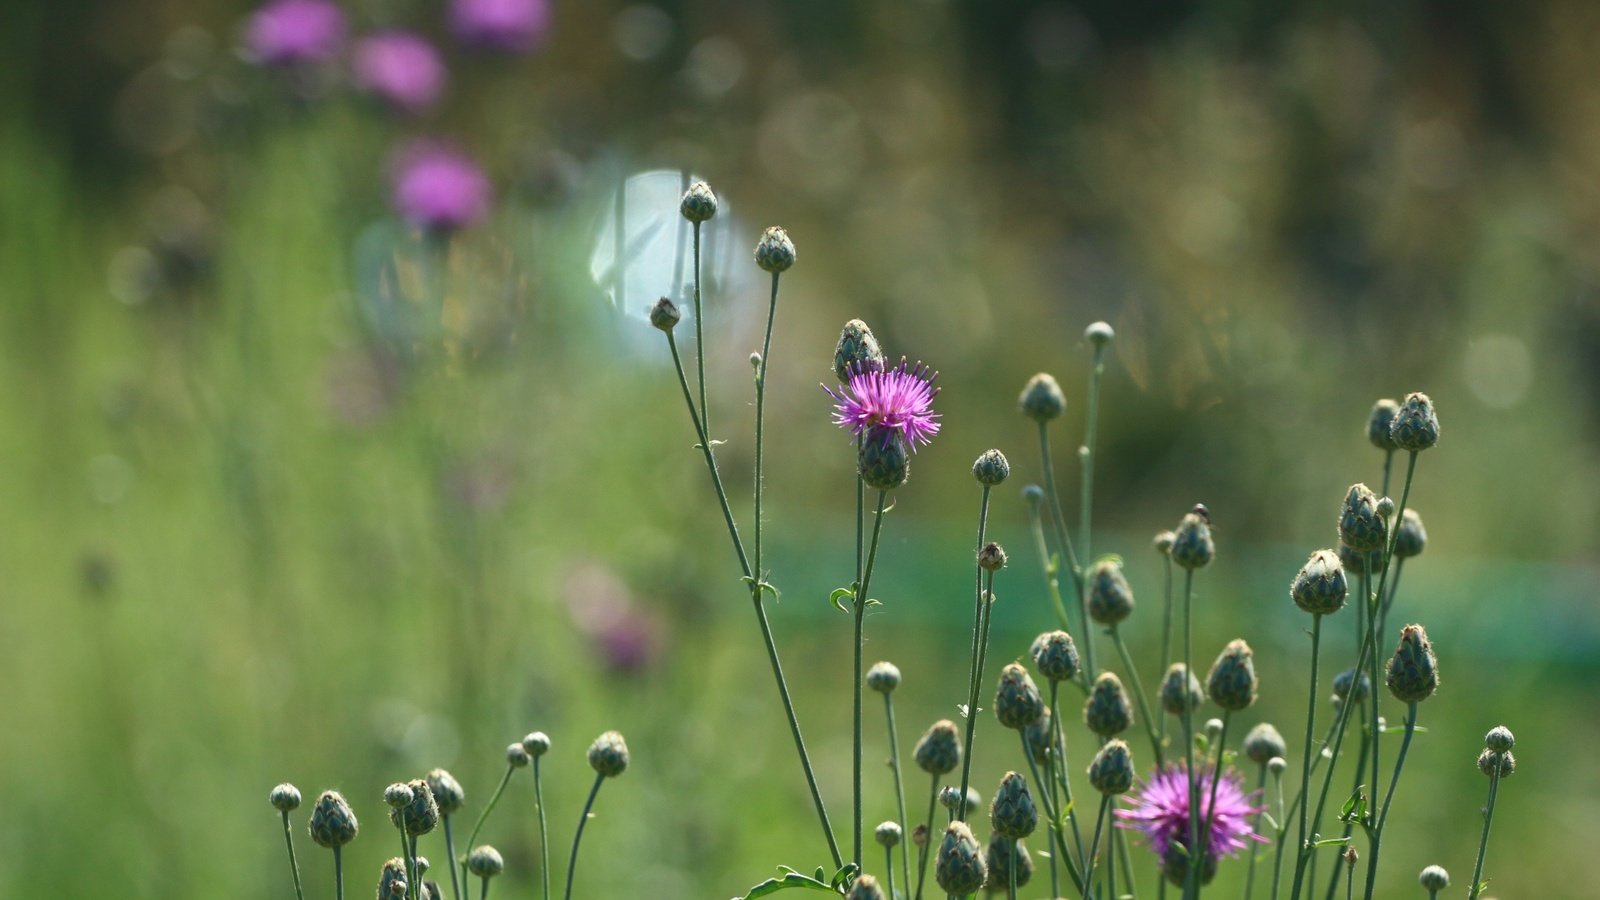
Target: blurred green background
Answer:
[[269, 515]]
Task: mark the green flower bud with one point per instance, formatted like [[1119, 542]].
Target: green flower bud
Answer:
[[1416, 425], [333, 822], [1277, 765], [285, 798], [1107, 712], [1360, 526], [1213, 729], [1002, 853], [608, 755], [537, 743], [1379, 422], [1180, 690], [1111, 770], [664, 315], [866, 887], [1163, 541], [1499, 739], [1099, 334], [485, 862], [1320, 587], [1042, 399], [1491, 761], [775, 252], [1012, 813], [857, 350], [950, 798], [1110, 597], [1411, 538], [1056, 656], [432, 891], [991, 468], [884, 460], [1413, 673], [1017, 703], [447, 792], [392, 881], [960, 868], [397, 794], [517, 755], [1192, 547], [1232, 682], [883, 677], [699, 204], [888, 833], [1350, 680], [1386, 507], [938, 752], [992, 558], [1434, 878], [1175, 864], [1262, 743], [1040, 738], [1368, 563], [421, 815], [1033, 495], [1350, 856]]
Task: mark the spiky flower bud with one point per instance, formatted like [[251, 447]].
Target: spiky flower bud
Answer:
[[608, 755], [1056, 656], [447, 792], [285, 798], [537, 743], [1180, 690], [884, 460], [1192, 546], [1262, 743], [1012, 813], [1110, 597], [866, 887], [1499, 739], [517, 755], [883, 677], [1041, 398], [1492, 761], [1111, 770], [1413, 673], [397, 794], [1411, 538], [950, 798], [1360, 526], [1040, 737], [421, 815], [1369, 563], [960, 868], [1107, 712], [1379, 422], [1002, 852], [1017, 703], [992, 558], [333, 823], [392, 881], [1320, 587], [1232, 682], [1434, 878], [991, 468], [1175, 864], [664, 315], [775, 252], [1099, 334], [1277, 765], [699, 204], [485, 862], [1416, 425], [1351, 686], [857, 350], [938, 751], [888, 833], [1163, 542]]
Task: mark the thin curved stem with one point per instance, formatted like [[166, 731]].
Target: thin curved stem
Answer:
[[1091, 427], [922, 851], [294, 865], [544, 840], [1050, 565], [450, 853], [1255, 825], [1094, 845], [1188, 734], [888, 865], [979, 639], [414, 885], [860, 620], [1052, 812], [1483, 842], [577, 838], [338, 873], [1388, 799], [1166, 638], [1357, 783], [1052, 799], [699, 319], [472, 837], [1305, 765], [1138, 692], [1211, 804], [1059, 519], [405, 862], [899, 796], [1058, 753]]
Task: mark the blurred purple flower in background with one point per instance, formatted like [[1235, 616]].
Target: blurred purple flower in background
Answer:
[[439, 188], [401, 68], [292, 32], [515, 26], [626, 639]]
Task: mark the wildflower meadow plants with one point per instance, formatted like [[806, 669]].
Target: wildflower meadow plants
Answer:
[[1164, 822]]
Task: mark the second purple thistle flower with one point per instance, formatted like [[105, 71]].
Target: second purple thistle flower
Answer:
[[899, 399]]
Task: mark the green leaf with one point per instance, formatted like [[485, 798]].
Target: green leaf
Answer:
[[790, 879], [845, 875], [1355, 807], [872, 602], [839, 594], [1327, 842]]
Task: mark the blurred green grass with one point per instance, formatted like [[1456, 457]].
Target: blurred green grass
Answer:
[[249, 536]]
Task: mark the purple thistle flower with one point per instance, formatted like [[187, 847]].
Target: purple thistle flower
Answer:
[[1161, 812], [440, 189], [399, 67], [896, 400], [514, 26], [290, 32]]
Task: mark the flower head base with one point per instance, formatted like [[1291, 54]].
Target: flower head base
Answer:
[[1003, 855], [485, 862], [1017, 703], [857, 350], [991, 468], [1416, 425], [333, 823], [295, 32], [1232, 682], [883, 677], [1360, 526], [399, 68], [895, 401], [1041, 398], [392, 881], [608, 755], [938, 752], [1107, 712], [665, 315], [1411, 538], [1161, 812], [992, 558], [285, 798], [517, 756], [1413, 674], [439, 189], [420, 815], [865, 887], [887, 833], [1012, 813], [1040, 738], [699, 204], [1499, 739], [775, 252], [1192, 546], [1180, 690], [1320, 587], [1494, 763], [1111, 770], [1099, 333], [1379, 422], [883, 460], [1351, 686], [1262, 743], [1110, 596], [447, 792], [1056, 656], [960, 867], [537, 743], [1357, 563], [1434, 878]]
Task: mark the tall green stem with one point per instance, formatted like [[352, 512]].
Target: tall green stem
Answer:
[[922, 851], [1283, 828], [1388, 799], [979, 625], [899, 796], [1211, 803], [1357, 783], [1138, 692], [972, 707], [1059, 519], [450, 854], [1476, 887], [472, 837], [860, 611], [1166, 636], [699, 326], [1058, 754], [1051, 566], [1305, 765], [338, 873], [1091, 425], [577, 838], [1094, 845], [544, 840], [294, 865], [1052, 812], [1255, 825], [1190, 867]]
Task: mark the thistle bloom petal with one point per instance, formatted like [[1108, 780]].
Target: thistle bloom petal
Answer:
[[292, 32], [401, 68], [898, 398], [1161, 812], [440, 189]]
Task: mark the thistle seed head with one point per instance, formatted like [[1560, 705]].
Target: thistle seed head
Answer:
[[1110, 597], [1056, 656], [699, 204], [608, 755], [1012, 813], [1041, 399], [285, 798], [1107, 712], [960, 867], [775, 252], [397, 794], [1413, 674], [883, 677], [1262, 743], [1360, 526], [333, 823], [938, 751], [447, 792], [1017, 703], [1232, 682], [991, 468], [1320, 587], [1416, 425], [1379, 422], [1111, 770]]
